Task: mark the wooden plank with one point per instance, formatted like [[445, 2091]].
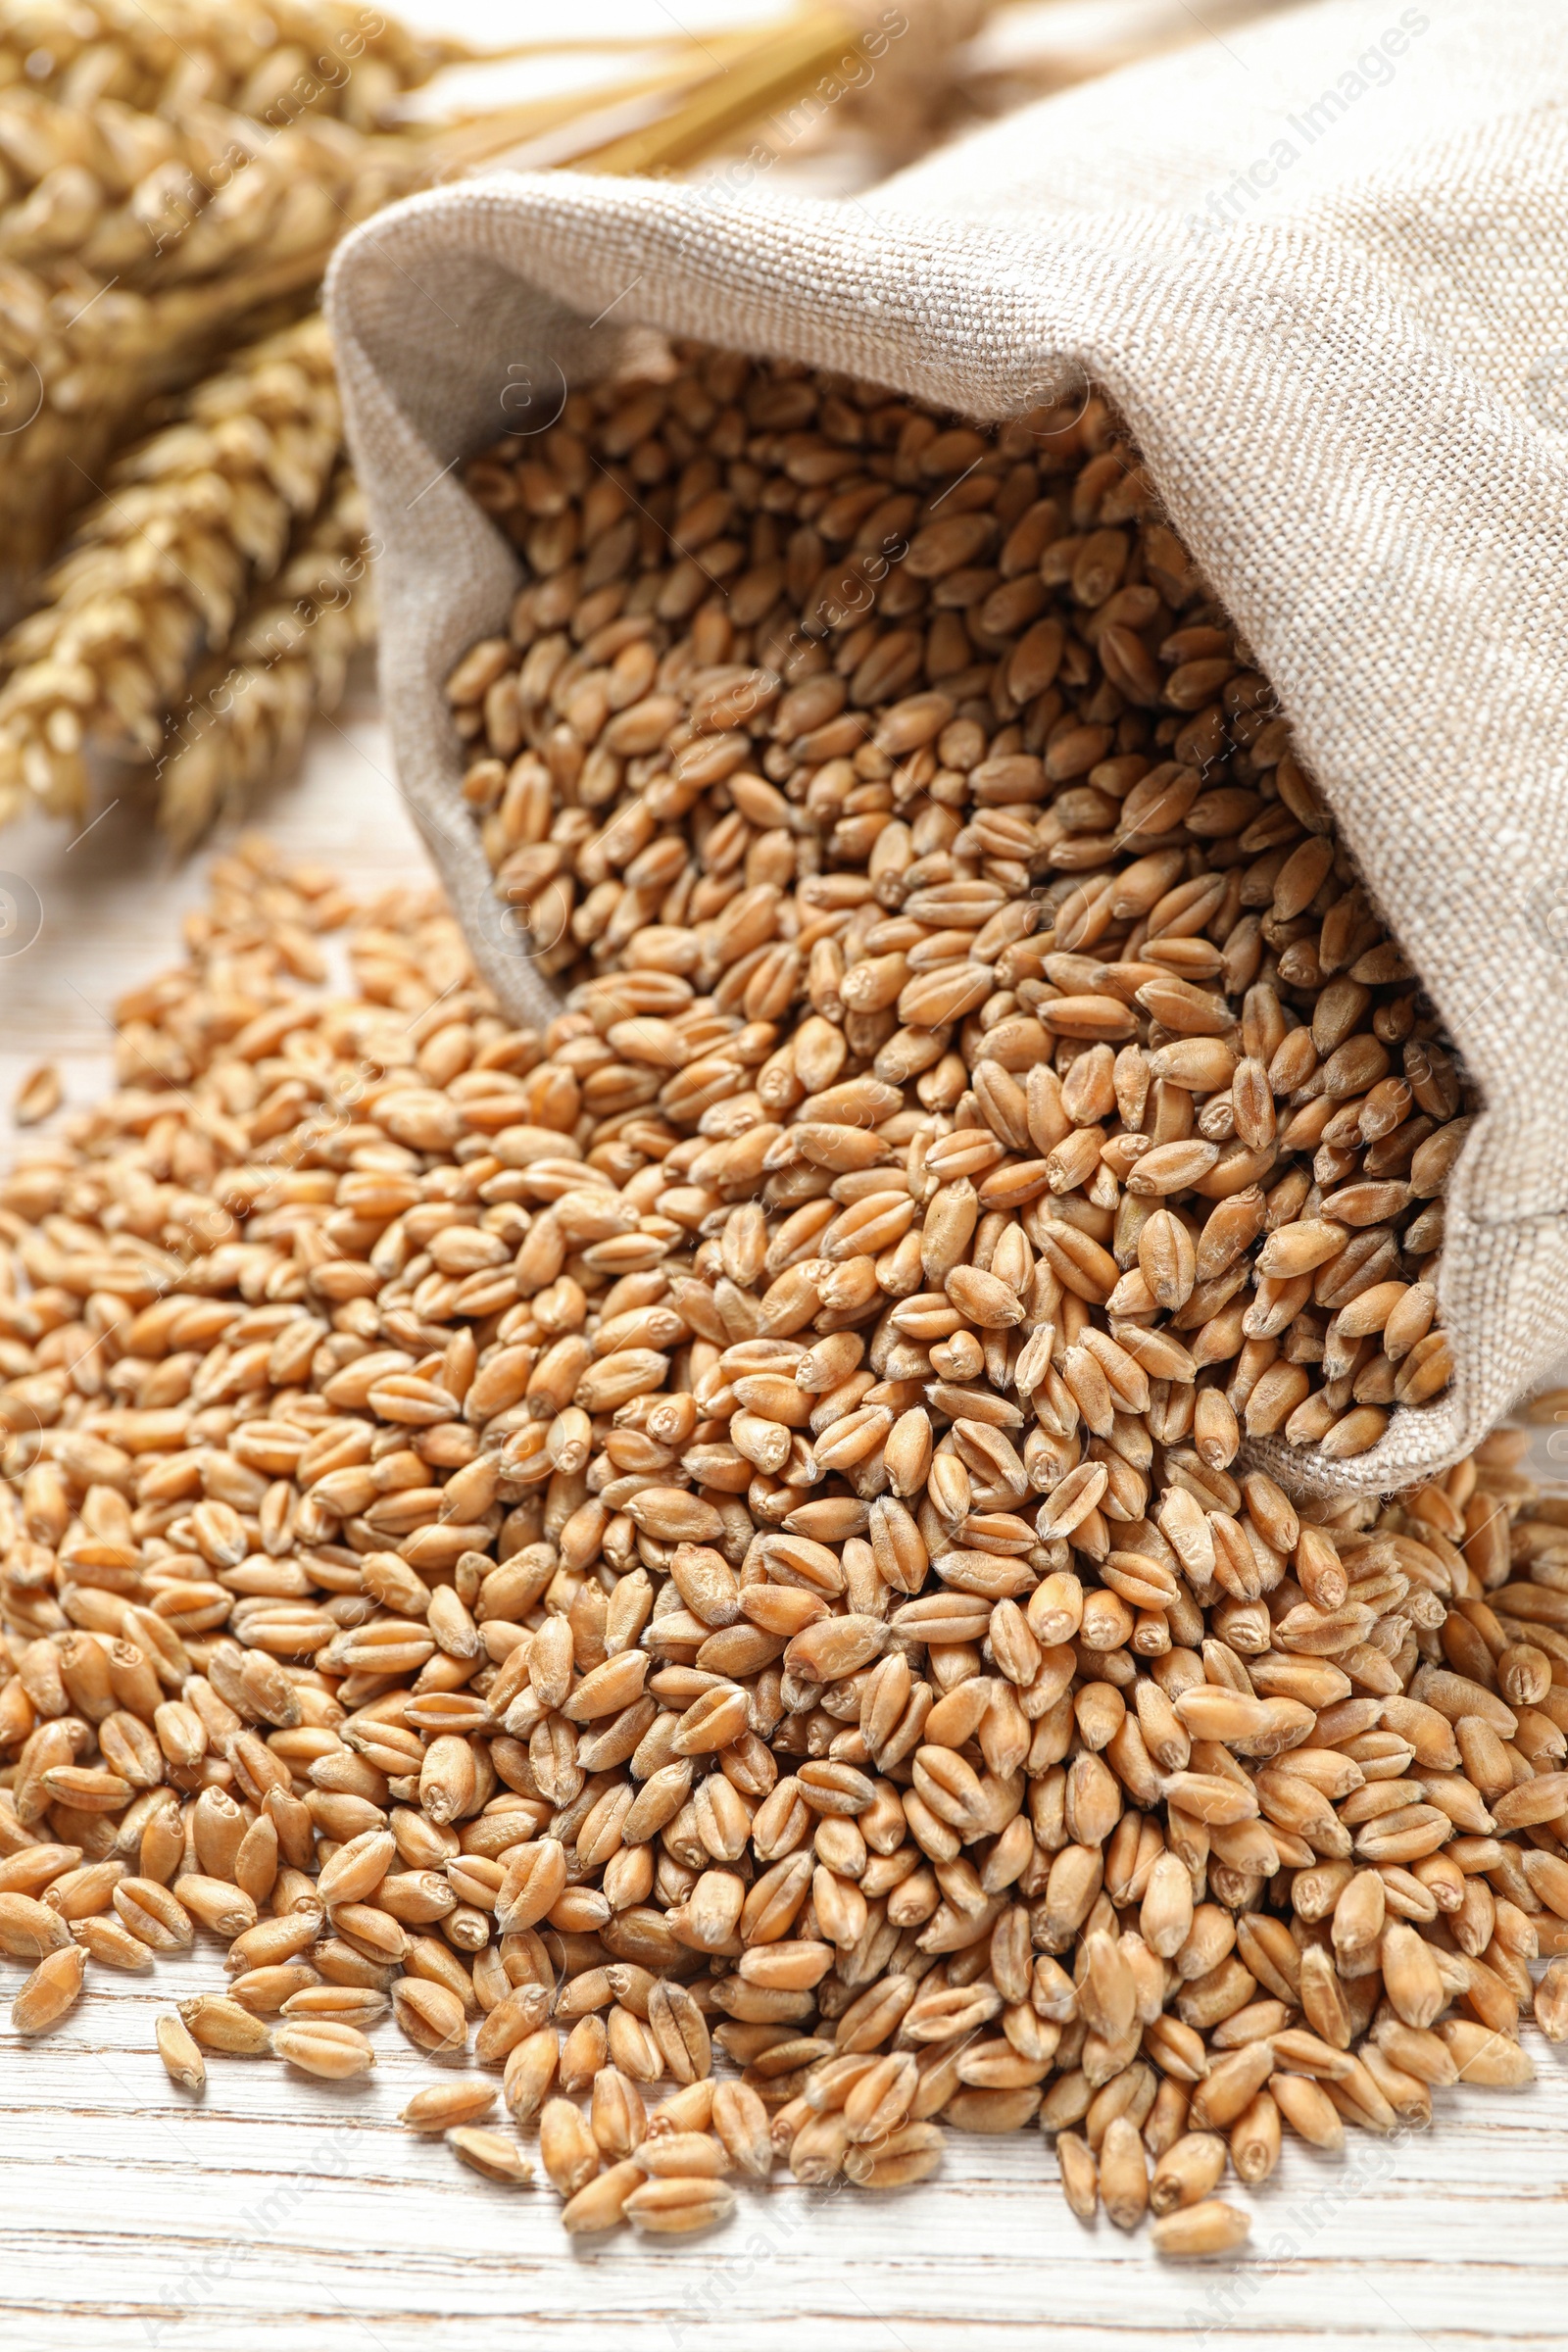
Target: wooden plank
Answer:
[[285, 2212]]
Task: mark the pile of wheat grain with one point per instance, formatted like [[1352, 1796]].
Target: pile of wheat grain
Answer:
[[714, 1536], [926, 746]]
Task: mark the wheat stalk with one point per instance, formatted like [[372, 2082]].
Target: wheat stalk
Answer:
[[328, 56], [163, 563], [246, 712], [151, 199], [179, 264]]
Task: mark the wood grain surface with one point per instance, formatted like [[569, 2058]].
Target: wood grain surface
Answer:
[[280, 2214]]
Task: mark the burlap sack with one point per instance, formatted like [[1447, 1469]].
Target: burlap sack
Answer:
[[1323, 268]]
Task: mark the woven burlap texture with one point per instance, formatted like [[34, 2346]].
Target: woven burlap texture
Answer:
[[1323, 270]]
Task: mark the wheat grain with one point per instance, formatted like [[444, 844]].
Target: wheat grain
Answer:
[[37, 1098], [182, 2056], [51, 1992], [325, 2047], [491, 2154], [446, 2104], [1209, 2228]]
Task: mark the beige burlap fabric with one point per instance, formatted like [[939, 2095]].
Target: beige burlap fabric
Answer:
[[1323, 268]]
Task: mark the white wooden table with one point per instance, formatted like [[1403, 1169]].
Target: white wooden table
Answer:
[[287, 2215]]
